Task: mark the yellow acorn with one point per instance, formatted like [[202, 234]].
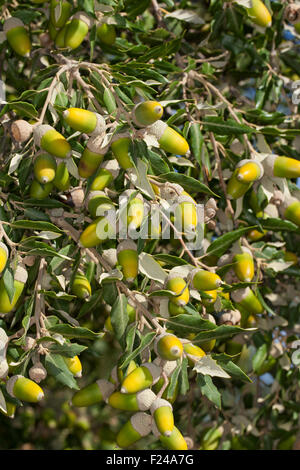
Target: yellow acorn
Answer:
[[21, 130], [168, 347], [147, 113], [60, 12], [282, 167], [17, 36], [10, 409], [289, 256], [47, 138], [162, 413], [4, 368], [236, 188], [249, 171], [175, 441], [140, 401], [62, 177], [91, 158], [81, 286], [175, 309], [290, 210], [204, 280], [77, 30], [168, 139], [40, 191], [44, 168], [102, 229], [244, 265], [211, 299], [177, 284], [93, 393], [137, 427], [246, 299], [259, 14], [98, 203], [128, 258], [106, 33], [141, 378], [255, 235], [82, 120], [24, 389], [20, 278], [3, 256], [185, 215], [131, 209], [120, 148], [193, 352], [106, 174], [74, 365]]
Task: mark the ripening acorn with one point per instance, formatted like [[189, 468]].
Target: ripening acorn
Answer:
[[292, 257], [47, 138], [62, 177], [3, 256], [162, 413], [44, 168], [128, 259], [98, 203], [204, 280], [175, 441], [17, 36], [102, 229], [211, 298], [120, 148], [60, 12], [290, 210], [60, 38], [249, 171], [21, 130], [91, 157], [74, 365], [175, 309], [4, 367], [235, 188], [24, 389], [93, 393], [259, 14], [40, 191], [10, 409], [106, 174], [193, 352], [20, 279], [185, 215], [147, 113], [168, 139], [106, 33], [255, 235], [246, 299], [81, 286], [177, 284], [137, 427], [244, 265], [140, 401], [141, 378], [77, 29], [167, 346], [282, 167], [83, 120]]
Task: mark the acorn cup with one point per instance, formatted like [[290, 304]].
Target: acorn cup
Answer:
[[120, 148], [281, 167], [47, 138], [74, 365], [147, 113], [246, 299], [167, 346], [106, 33], [102, 229], [60, 12], [249, 171], [44, 168], [91, 157], [106, 174], [62, 177], [81, 286], [128, 258], [24, 389], [40, 191], [177, 284], [77, 29], [17, 36], [169, 140], [98, 203], [162, 413], [93, 393], [82, 120], [137, 427], [4, 254], [175, 441], [3, 348], [244, 265], [141, 378], [204, 280], [259, 14], [20, 279], [140, 401], [21, 130]]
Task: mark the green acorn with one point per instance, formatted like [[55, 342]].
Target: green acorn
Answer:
[[83, 120], [93, 393], [77, 29], [259, 14], [98, 203], [162, 413], [106, 174], [81, 286], [40, 191], [60, 38], [120, 148], [92, 157], [47, 138], [236, 188], [24, 389], [60, 12], [246, 299], [128, 258], [168, 139], [141, 378], [62, 177], [290, 210], [106, 33], [175, 441], [147, 113], [244, 265], [20, 279], [17, 36], [204, 280], [102, 229], [167, 346], [137, 427], [281, 167], [44, 168], [140, 401], [177, 284]]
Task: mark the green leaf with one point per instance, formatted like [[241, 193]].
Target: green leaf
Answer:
[[188, 183], [74, 331], [119, 317], [36, 225], [173, 382], [221, 244], [230, 127], [57, 367], [67, 349], [145, 342], [259, 357], [230, 367], [208, 389]]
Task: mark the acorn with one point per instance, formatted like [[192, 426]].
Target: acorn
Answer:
[[20, 279], [106, 174], [82, 120], [102, 229], [211, 299], [106, 33], [62, 177], [91, 158], [292, 257], [98, 203], [40, 191], [93, 393], [193, 352], [168, 139], [127, 256], [175, 441], [249, 171], [244, 265], [259, 14], [174, 309], [81, 286], [3, 348], [17, 36], [44, 168], [4, 254], [21, 130], [162, 413], [77, 29], [204, 280], [140, 378], [120, 148], [132, 209], [185, 215], [282, 167], [24, 389], [140, 401], [74, 365], [137, 427], [60, 38], [167, 346], [177, 284], [290, 210], [60, 12], [10, 409], [52, 31], [236, 188], [47, 138], [230, 317], [37, 372], [246, 299], [147, 113]]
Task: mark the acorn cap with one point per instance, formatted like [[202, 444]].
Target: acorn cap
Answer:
[[128, 192], [185, 198], [21, 274], [11, 23], [145, 398], [232, 316], [112, 166], [287, 202], [3, 342], [209, 317], [4, 247], [39, 131], [21, 130], [157, 129], [119, 135], [126, 245], [171, 191], [100, 126], [11, 383], [173, 275], [37, 372], [158, 403], [82, 16], [141, 423], [106, 388], [95, 193], [94, 144], [3, 368], [268, 165], [240, 294]]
